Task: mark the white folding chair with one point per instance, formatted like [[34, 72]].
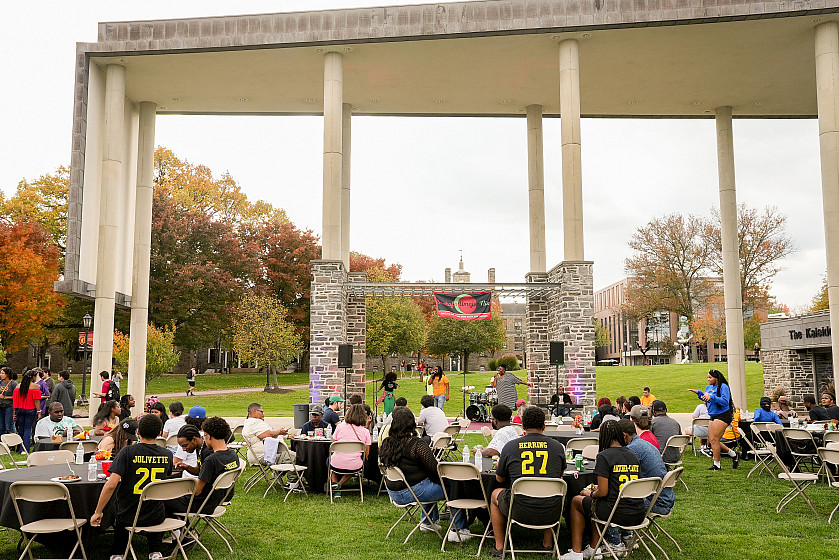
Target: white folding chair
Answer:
[[803, 447], [590, 452], [580, 443], [830, 437], [677, 444], [13, 441], [463, 472], [223, 483], [88, 445], [41, 458], [441, 445], [348, 447], [263, 473], [162, 491], [669, 481], [238, 442], [486, 431], [7, 461], [830, 458], [763, 457], [800, 481], [457, 434], [395, 474], [41, 492], [282, 472], [542, 489], [518, 428], [697, 422], [161, 441], [639, 488]]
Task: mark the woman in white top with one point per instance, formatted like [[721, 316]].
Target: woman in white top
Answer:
[[700, 413]]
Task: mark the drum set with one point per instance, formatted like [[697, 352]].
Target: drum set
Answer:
[[480, 404]]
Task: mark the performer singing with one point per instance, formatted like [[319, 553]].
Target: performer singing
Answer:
[[389, 385]]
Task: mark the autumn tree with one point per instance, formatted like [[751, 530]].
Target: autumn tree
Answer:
[[2, 353], [462, 338], [199, 270], [394, 324], [193, 187], [360, 262], [820, 300], [601, 335], [284, 254], [28, 267], [161, 356], [763, 243], [263, 333], [708, 323]]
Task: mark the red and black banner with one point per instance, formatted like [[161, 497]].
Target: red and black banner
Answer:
[[474, 306]]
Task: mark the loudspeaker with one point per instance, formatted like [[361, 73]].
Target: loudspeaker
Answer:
[[557, 353], [345, 356]]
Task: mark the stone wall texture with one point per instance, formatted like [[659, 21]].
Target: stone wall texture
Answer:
[[537, 343], [798, 372], [328, 329], [357, 336]]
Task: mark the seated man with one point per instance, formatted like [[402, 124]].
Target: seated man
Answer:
[[257, 429], [816, 413], [134, 467], [56, 424], [561, 402], [533, 454], [664, 428], [220, 460], [316, 422], [192, 450], [505, 432], [330, 413], [765, 412], [432, 418]]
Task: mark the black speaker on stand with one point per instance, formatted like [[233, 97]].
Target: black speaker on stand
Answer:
[[345, 363], [557, 358]]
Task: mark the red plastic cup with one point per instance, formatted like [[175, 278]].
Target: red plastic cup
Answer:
[[106, 468]]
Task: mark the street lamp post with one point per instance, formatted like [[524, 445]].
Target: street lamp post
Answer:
[[82, 399]]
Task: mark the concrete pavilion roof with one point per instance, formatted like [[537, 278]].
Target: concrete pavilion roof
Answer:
[[642, 58]]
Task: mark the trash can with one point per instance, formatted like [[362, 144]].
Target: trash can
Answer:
[[301, 414]]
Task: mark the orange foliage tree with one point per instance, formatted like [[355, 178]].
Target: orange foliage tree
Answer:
[[29, 264]]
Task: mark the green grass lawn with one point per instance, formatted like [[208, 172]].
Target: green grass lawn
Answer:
[[723, 517], [171, 383]]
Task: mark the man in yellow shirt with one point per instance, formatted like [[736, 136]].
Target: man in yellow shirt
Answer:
[[647, 398]]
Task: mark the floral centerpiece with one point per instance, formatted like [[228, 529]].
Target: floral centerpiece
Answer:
[[578, 424]]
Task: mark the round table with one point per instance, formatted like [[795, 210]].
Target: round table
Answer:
[[313, 453], [47, 445], [84, 496]]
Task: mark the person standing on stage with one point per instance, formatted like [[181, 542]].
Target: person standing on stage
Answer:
[[505, 383]]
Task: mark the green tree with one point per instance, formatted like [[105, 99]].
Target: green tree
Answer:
[[820, 301], [751, 331], [394, 324], [161, 356], [263, 333], [2, 354], [601, 335], [462, 338]]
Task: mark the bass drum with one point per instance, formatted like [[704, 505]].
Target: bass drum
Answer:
[[476, 413]]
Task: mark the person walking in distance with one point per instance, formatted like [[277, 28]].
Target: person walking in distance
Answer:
[[190, 378]]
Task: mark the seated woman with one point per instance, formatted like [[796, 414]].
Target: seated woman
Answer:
[[604, 413], [106, 418], [784, 411], [615, 465], [765, 412], [160, 411], [403, 449], [344, 464], [123, 435], [126, 403], [521, 404]]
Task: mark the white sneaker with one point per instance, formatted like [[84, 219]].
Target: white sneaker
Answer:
[[571, 555], [589, 552], [294, 485], [155, 556], [430, 527], [115, 557], [618, 548], [459, 535]]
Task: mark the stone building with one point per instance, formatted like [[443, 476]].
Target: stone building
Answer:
[[797, 357]]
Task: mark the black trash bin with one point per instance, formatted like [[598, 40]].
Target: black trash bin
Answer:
[[301, 414]]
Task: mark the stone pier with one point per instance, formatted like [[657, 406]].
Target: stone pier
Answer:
[[537, 344], [328, 320], [357, 336]]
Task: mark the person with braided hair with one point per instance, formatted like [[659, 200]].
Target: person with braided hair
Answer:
[[614, 466]]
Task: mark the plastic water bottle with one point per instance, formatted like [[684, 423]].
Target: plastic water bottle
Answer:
[[80, 454], [466, 457], [68, 433], [376, 432], [91, 469], [478, 456], [328, 432]]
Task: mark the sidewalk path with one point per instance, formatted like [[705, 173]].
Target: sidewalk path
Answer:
[[237, 391]]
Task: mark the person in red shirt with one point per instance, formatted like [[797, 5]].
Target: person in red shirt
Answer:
[[106, 385], [25, 401], [521, 404], [640, 415]]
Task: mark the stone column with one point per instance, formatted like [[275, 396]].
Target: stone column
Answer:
[[357, 336], [731, 258], [333, 99], [346, 142], [537, 343], [328, 328], [536, 188], [572, 322], [142, 252], [572, 180], [112, 169], [827, 95]]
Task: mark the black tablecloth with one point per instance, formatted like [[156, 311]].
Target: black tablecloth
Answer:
[[564, 436], [47, 445], [313, 455]]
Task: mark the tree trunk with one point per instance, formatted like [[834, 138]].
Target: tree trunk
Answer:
[[274, 375], [465, 362]]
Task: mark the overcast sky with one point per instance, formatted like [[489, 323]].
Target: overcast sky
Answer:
[[404, 168]]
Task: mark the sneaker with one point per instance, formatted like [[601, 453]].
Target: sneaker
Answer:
[[294, 485], [336, 495], [589, 552], [707, 451], [494, 552], [115, 557], [459, 535], [155, 556], [619, 548], [736, 460], [714, 468], [571, 555], [430, 527]]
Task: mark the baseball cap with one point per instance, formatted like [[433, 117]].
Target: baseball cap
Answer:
[[520, 402], [639, 411], [335, 398], [197, 412], [317, 409], [658, 405], [129, 427]]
